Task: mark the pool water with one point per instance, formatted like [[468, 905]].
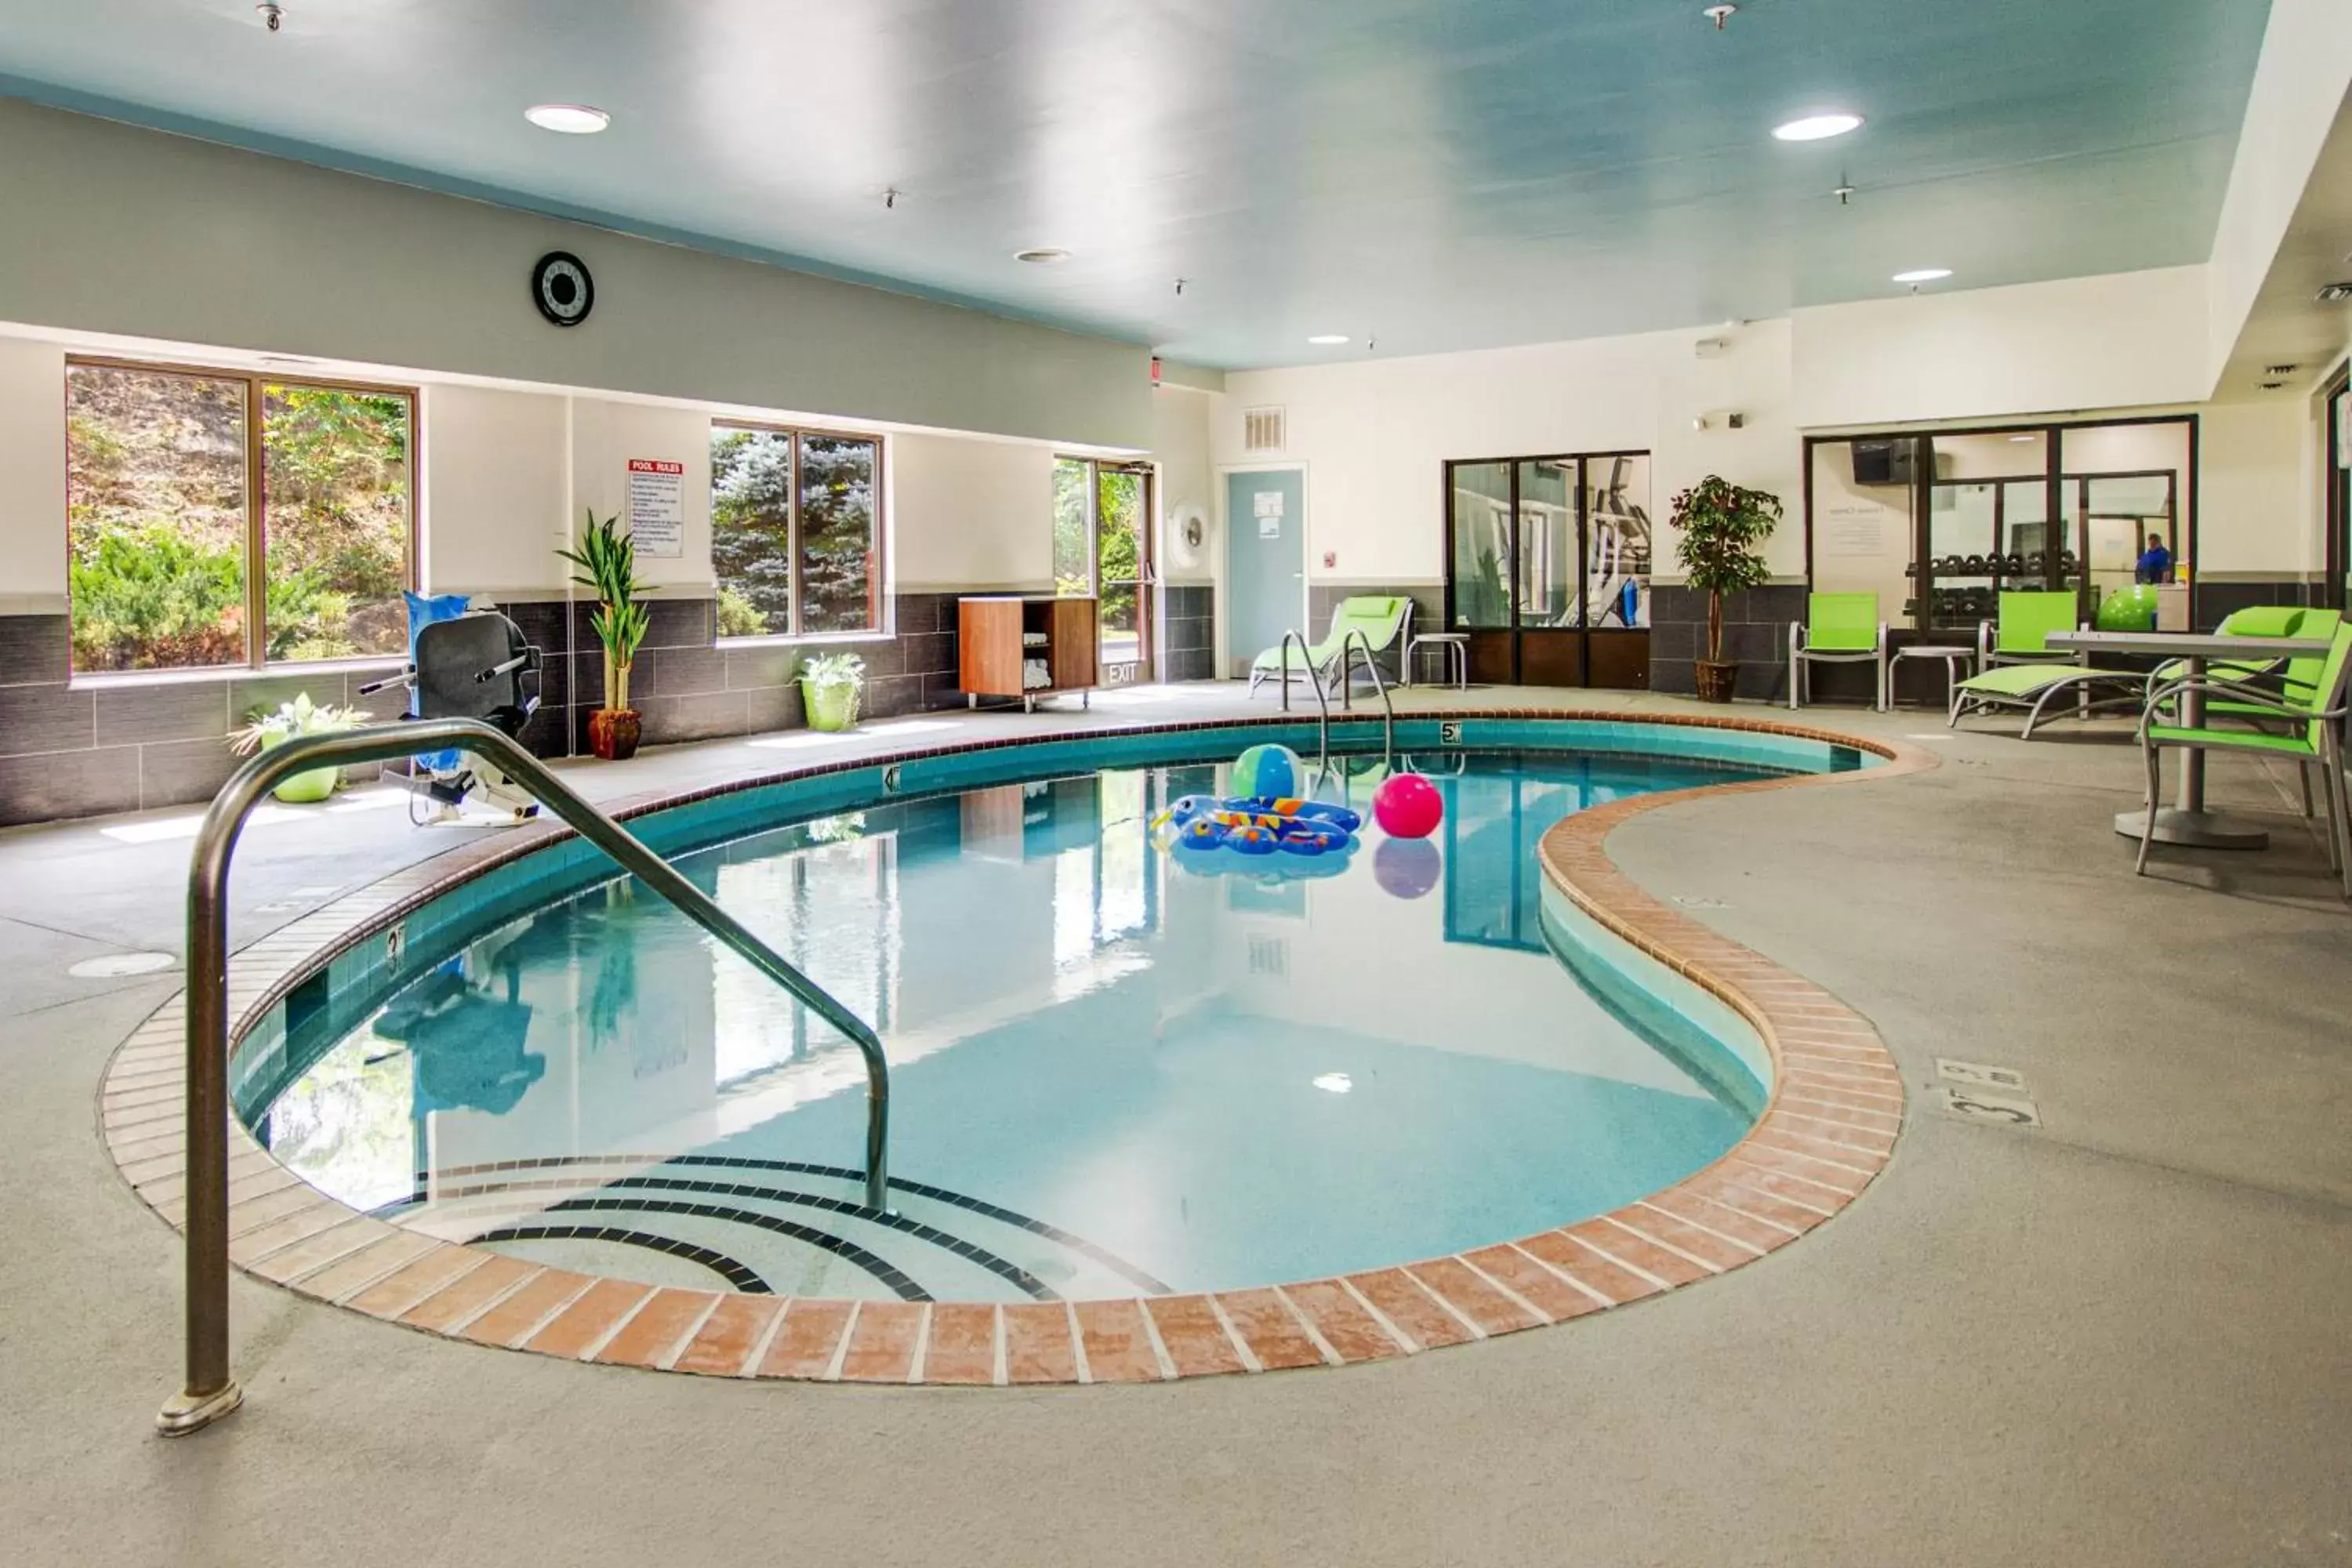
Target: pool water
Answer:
[[1111, 1071]]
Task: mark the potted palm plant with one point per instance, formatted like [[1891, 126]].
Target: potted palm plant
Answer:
[[607, 560], [1721, 525], [830, 686], [266, 730]]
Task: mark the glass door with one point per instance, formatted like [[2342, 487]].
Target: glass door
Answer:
[[1103, 550], [1123, 571], [1550, 592]]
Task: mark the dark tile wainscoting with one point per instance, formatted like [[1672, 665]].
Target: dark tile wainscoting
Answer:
[[1188, 614], [68, 751], [1755, 633]]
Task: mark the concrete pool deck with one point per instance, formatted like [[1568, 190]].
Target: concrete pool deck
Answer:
[[2115, 1337]]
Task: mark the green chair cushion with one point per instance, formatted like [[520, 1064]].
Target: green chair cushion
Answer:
[[2231, 739], [1841, 623], [2029, 679], [2028, 616]]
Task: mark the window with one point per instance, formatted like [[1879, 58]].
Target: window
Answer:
[[1547, 567], [795, 531], [179, 559], [1940, 524]]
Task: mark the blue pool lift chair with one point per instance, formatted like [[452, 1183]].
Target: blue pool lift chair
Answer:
[[476, 665]]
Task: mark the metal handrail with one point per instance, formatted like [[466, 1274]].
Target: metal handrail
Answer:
[[1356, 638], [210, 1391], [1315, 679]]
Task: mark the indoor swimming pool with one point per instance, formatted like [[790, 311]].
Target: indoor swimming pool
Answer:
[[1113, 1072]]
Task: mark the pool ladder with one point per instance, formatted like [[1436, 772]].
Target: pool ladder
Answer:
[[210, 1389], [1352, 639]]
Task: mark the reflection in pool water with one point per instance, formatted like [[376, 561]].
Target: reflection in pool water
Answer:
[[1107, 1073]]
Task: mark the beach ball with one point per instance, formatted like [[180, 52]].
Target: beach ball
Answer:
[[1268, 773], [1407, 806], [1406, 868]]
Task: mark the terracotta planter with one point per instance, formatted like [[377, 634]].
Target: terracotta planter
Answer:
[[1716, 679], [613, 733]]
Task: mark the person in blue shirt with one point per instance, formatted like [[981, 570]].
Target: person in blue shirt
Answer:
[[2155, 561]]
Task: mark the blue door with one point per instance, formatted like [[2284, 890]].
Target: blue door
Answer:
[[1265, 561]]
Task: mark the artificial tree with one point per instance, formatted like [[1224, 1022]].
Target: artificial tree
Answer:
[[1721, 525], [607, 559]]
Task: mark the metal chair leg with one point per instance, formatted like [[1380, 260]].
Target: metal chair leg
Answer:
[[2302, 771], [2147, 819]]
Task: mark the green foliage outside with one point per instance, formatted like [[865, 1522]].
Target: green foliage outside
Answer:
[[157, 522], [1118, 504], [753, 480]]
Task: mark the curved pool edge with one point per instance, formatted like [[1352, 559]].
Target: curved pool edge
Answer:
[[1835, 1112]]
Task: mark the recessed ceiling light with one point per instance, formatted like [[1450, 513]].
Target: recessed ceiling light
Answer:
[[1924, 275], [1328, 340], [1335, 1083], [2021, 437], [1043, 256], [1817, 127], [2280, 369], [570, 119]]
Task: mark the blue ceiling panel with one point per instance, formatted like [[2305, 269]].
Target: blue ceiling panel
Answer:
[[1433, 173]]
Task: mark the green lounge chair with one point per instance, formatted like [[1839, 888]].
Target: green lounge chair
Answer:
[[1838, 629], [2036, 686], [2318, 738], [2022, 634], [1382, 619]]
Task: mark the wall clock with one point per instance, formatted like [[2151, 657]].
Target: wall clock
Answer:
[[561, 288]]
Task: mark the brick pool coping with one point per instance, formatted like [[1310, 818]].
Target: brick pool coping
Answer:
[[1835, 1110]]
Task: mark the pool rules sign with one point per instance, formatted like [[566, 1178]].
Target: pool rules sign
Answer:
[[657, 506]]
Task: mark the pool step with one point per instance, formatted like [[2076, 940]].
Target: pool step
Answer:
[[781, 1226]]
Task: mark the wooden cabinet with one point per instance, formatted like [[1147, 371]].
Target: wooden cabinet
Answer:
[[999, 635]]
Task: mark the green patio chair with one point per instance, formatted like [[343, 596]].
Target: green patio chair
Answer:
[[2022, 634], [1384, 619], [1838, 629], [2292, 681], [2318, 738]]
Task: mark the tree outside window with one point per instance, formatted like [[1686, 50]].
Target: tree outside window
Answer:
[[795, 531], [166, 526]]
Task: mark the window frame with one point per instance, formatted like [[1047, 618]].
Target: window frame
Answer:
[[256, 512], [2056, 476], [885, 602]]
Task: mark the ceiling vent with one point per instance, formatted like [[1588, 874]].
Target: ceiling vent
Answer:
[[2336, 293], [2280, 369], [1262, 430]]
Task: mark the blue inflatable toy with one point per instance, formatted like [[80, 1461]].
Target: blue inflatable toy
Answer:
[[1204, 829]]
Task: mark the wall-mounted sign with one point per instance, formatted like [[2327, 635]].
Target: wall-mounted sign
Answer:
[[657, 506], [1855, 528]]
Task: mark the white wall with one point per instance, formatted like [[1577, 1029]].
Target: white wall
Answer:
[[494, 492], [1374, 434], [1180, 444], [32, 478], [2114, 342], [109, 228], [604, 436], [2258, 484], [971, 514], [2300, 85]]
